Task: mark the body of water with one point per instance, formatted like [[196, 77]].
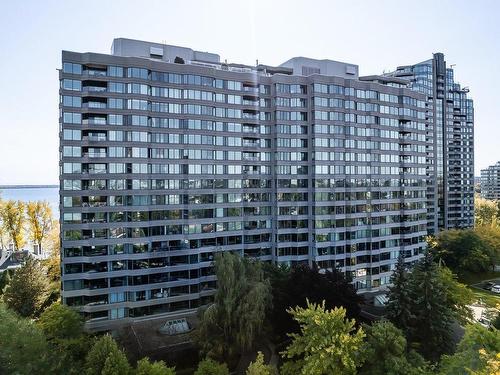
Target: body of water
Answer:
[[33, 193]]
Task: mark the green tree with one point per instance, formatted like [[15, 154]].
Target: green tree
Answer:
[[458, 296], [39, 217], [433, 317], [386, 352], [490, 243], [233, 322], [327, 343], [399, 305], [105, 355], [13, 219], [63, 329], [433, 300], [116, 364], [486, 212], [492, 366], [60, 322], [467, 356], [5, 278], [210, 367], [145, 367], [28, 289], [259, 367], [292, 286], [23, 348], [435, 307], [467, 250]]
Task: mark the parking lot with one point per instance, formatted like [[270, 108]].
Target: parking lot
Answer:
[[493, 286]]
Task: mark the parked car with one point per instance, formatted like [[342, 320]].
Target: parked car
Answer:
[[484, 322], [495, 288]]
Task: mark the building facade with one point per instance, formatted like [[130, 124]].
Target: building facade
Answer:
[[450, 149], [169, 156], [490, 182]]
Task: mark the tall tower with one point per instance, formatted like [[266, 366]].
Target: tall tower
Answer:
[[450, 149]]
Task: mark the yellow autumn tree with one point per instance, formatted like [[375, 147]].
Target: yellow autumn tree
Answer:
[[39, 216], [13, 220]]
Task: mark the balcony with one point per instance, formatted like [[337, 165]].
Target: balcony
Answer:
[[95, 73], [250, 102], [250, 158], [250, 89], [98, 138], [94, 171], [98, 105], [250, 116], [94, 154], [250, 143], [94, 89], [95, 121], [251, 129]]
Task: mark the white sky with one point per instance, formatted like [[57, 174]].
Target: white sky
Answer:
[[376, 35]]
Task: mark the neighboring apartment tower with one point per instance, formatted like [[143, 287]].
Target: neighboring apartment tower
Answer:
[[450, 152], [169, 156], [490, 182]]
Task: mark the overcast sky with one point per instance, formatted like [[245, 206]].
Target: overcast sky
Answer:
[[376, 35]]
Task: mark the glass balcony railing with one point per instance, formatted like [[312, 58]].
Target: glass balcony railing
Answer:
[[247, 143], [251, 102], [254, 90], [250, 116], [250, 129], [94, 138], [94, 105], [94, 89], [94, 154], [99, 73], [94, 121]]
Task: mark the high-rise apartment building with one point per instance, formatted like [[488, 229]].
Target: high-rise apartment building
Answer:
[[450, 152], [169, 155], [490, 182]]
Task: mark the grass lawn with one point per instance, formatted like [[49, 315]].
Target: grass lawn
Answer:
[[488, 298]]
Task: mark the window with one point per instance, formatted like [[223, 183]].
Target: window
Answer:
[[72, 101], [115, 119], [114, 103], [72, 68], [71, 84], [115, 71], [117, 313], [233, 85], [72, 151], [139, 120], [137, 73], [137, 88], [72, 118], [116, 87], [72, 135], [137, 104]]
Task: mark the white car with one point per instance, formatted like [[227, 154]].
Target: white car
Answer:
[[495, 288]]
